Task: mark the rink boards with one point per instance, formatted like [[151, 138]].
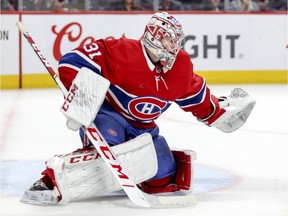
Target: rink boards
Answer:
[[225, 48]]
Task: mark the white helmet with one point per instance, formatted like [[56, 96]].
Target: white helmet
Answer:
[[163, 37]]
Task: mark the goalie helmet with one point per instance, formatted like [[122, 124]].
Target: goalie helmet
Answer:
[[163, 37]]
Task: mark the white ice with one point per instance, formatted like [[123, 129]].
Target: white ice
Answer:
[[243, 173]]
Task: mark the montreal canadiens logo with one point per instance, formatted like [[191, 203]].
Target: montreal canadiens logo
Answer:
[[146, 108]]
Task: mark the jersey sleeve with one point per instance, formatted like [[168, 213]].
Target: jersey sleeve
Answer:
[[92, 56], [198, 100]]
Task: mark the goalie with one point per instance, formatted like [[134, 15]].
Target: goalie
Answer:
[[123, 86]]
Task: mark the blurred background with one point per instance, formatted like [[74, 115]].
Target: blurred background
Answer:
[[130, 5], [229, 41]]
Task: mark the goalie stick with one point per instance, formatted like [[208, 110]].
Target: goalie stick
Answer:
[[136, 195]]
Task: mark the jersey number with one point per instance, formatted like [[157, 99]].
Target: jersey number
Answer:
[[93, 48]]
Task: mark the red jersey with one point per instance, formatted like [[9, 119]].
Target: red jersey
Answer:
[[140, 90]]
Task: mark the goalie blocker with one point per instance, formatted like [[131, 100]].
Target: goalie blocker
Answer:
[[83, 174], [84, 98]]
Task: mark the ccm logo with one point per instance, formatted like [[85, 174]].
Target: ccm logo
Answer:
[[70, 97], [83, 158], [106, 153]]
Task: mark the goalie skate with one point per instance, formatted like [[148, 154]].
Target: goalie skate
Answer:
[[40, 194]]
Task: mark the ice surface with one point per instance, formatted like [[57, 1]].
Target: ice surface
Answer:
[[239, 174]]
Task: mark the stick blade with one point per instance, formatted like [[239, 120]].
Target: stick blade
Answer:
[[171, 200]]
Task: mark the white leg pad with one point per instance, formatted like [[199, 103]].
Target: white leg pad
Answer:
[[82, 175]]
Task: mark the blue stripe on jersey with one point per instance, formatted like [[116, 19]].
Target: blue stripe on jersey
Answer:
[[122, 96], [123, 99], [194, 99], [72, 58]]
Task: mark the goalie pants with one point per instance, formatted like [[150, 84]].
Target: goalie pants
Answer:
[[117, 130]]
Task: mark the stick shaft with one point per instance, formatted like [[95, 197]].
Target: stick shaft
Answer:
[[42, 57]]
